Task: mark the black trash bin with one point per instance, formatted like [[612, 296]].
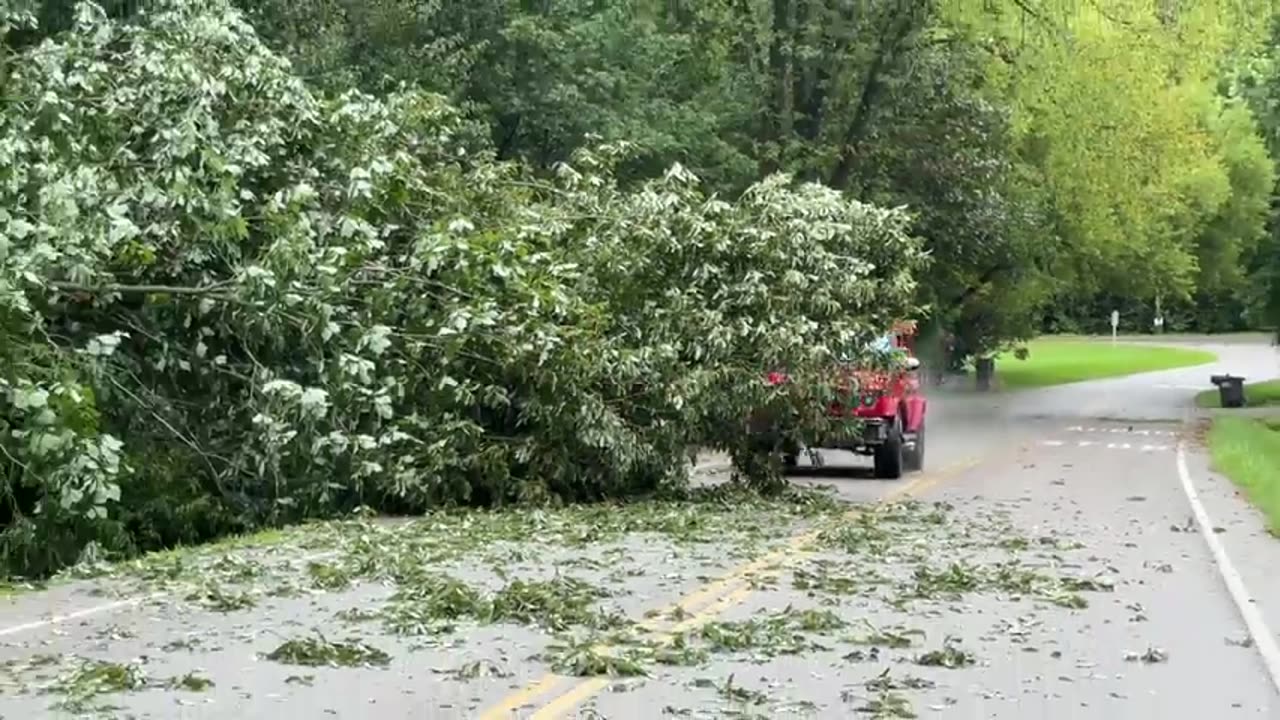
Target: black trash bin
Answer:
[[1230, 390]]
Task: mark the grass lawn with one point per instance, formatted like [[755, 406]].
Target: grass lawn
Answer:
[[1054, 361], [1247, 450], [1255, 395]]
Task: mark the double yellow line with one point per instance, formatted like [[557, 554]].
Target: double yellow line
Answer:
[[706, 604]]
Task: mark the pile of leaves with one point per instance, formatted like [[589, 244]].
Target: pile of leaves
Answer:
[[317, 651], [229, 301]]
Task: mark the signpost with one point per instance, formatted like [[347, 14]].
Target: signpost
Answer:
[[1115, 324]]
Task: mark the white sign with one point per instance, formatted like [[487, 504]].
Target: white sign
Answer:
[[1115, 319]]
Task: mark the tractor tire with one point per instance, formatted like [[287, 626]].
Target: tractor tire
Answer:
[[914, 458], [889, 460]]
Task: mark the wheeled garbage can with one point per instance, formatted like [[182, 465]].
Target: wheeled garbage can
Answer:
[[1230, 390]]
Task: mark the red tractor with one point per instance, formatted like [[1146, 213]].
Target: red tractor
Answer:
[[888, 404]]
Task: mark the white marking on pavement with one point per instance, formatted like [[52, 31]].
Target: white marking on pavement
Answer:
[[87, 612], [1109, 446], [1263, 640], [92, 610], [1124, 430]]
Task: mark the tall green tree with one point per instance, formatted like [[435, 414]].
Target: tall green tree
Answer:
[[1256, 80], [878, 100], [1151, 183]]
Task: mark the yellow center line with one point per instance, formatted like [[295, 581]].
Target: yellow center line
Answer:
[[524, 696], [562, 704], [584, 689]]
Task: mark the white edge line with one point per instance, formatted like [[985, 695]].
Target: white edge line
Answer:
[[1263, 640], [76, 615], [111, 606]]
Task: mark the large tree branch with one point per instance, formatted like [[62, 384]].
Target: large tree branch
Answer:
[[509, 130], [1027, 9], [899, 30], [983, 280], [997, 49], [216, 289]]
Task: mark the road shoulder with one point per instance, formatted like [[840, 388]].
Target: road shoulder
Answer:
[[1241, 529]]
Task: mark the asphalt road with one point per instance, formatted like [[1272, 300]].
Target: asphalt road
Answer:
[[1053, 567]]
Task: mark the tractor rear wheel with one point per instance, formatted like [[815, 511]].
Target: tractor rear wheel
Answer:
[[914, 456], [889, 460]]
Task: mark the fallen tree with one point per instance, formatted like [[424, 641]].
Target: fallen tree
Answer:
[[226, 301]]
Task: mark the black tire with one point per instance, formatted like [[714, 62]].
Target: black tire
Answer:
[[789, 461], [914, 459], [889, 456]]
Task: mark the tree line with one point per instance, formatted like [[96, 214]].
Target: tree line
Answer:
[[1061, 159]]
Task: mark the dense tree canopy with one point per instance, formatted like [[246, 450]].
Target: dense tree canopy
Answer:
[[1255, 80], [307, 255], [1053, 154], [228, 300], [1089, 149]]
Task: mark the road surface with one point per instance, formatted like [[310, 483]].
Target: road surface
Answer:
[[1049, 564]]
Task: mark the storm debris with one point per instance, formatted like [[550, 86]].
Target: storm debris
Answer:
[[318, 652], [951, 656], [475, 669], [888, 705], [1150, 656]]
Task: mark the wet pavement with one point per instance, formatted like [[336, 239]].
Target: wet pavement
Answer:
[[1047, 564]]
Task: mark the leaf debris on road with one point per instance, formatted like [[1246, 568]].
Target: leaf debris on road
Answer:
[[317, 651], [568, 575]]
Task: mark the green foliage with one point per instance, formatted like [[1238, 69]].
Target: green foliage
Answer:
[[1150, 183], [1256, 79], [1046, 151], [1247, 450], [227, 301], [319, 652], [499, 251], [944, 148], [1233, 232]]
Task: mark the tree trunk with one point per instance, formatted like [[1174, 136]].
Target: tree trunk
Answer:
[[984, 369], [782, 61], [898, 30]]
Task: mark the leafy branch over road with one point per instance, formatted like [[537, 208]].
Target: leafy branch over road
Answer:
[[400, 320]]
